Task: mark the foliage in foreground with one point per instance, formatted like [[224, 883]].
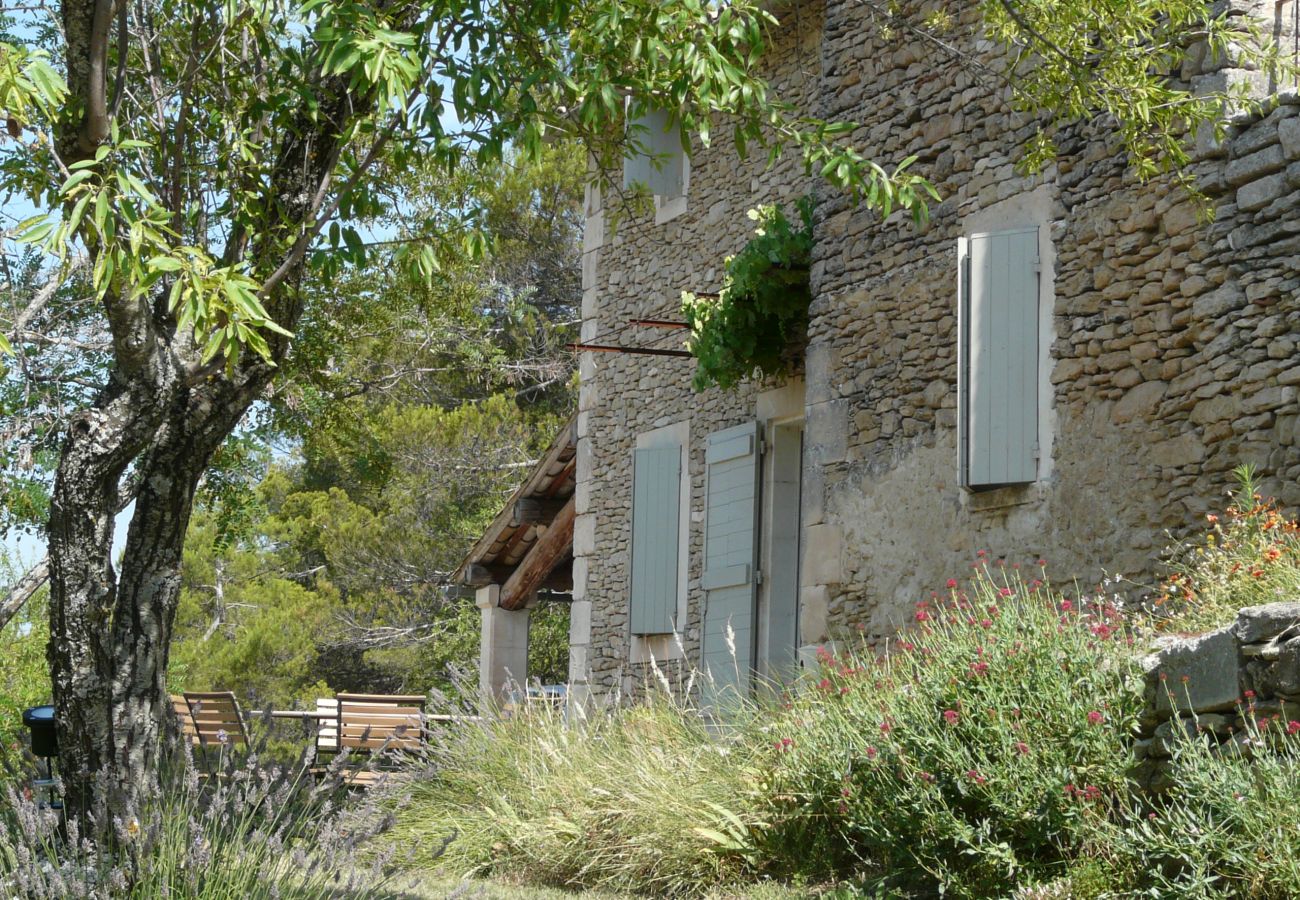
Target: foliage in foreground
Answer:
[[1230, 826], [247, 831], [986, 756], [973, 758], [634, 801]]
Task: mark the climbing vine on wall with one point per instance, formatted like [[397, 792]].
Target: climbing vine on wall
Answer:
[[761, 312]]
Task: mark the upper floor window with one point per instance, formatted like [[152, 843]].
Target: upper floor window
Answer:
[[999, 358], [659, 158]]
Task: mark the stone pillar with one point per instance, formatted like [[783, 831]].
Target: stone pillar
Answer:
[[503, 647]]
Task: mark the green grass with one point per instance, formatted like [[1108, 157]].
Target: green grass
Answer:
[[440, 888]]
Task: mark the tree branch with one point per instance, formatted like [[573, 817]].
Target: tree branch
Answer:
[[23, 591]]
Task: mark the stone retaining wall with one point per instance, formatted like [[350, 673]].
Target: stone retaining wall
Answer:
[[1209, 686]]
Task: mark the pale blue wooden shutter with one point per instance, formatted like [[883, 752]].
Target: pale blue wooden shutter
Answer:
[[656, 494], [659, 162], [1000, 359], [730, 562]]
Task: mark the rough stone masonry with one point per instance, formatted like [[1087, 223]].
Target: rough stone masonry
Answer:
[[1170, 341]]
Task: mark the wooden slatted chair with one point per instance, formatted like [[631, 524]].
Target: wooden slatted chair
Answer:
[[368, 724], [185, 721], [218, 722]]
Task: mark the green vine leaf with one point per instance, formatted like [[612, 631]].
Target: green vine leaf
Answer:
[[761, 313]]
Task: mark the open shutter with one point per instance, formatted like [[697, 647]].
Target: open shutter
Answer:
[[660, 164], [1000, 359], [656, 493], [730, 562]]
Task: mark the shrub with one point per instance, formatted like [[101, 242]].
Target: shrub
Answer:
[[247, 831], [1230, 824], [972, 758], [1249, 557], [641, 798], [761, 314]]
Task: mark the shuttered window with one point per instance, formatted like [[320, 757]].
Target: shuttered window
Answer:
[[999, 358], [730, 562], [659, 160], [656, 530]]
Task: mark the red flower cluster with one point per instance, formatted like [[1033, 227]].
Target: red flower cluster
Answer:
[[951, 716], [1096, 717], [1087, 792]]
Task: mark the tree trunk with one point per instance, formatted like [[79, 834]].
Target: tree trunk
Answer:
[[101, 442], [110, 641]]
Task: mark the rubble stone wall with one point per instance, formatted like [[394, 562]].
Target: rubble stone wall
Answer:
[[1172, 346], [638, 269], [1171, 356], [1237, 688]]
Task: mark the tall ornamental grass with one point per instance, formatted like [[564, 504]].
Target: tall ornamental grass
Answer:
[[982, 754], [641, 799]]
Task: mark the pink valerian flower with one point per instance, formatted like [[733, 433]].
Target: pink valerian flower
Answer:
[[926, 777], [922, 616], [951, 716], [1004, 592], [975, 776], [986, 623], [1042, 563], [785, 745], [1066, 605], [952, 584], [1096, 717], [1292, 727], [886, 727], [1022, 748], [872, 752], [979, 668], [824, 684]]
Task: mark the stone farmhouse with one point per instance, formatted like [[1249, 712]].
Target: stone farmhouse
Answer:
[[1063, 366]]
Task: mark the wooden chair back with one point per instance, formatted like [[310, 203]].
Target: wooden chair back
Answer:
[[216, 716], [368, 722], [185, 721]]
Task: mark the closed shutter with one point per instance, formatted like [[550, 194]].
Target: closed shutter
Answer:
[[730, 562], [656, 493], [659, 162], [1000, 344]]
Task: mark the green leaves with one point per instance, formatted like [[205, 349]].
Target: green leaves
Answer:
[[116, 215], [761, 314], [1072, 61], [28, 84]]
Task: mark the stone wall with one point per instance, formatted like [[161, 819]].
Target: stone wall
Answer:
[[1170, 361], [638, 269], [1172, 350], [1235, 688]]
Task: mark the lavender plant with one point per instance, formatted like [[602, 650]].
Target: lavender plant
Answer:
[[245, 830]]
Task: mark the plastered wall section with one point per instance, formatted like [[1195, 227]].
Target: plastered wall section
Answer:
[[1170, 354], [638, 269]]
